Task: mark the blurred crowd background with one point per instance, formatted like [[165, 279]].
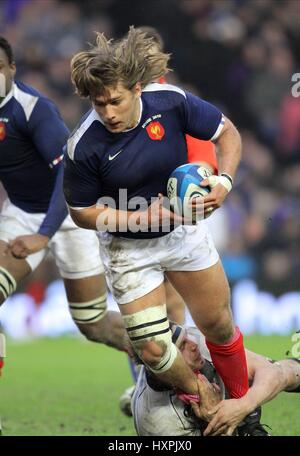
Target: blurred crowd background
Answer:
[[238, 54]]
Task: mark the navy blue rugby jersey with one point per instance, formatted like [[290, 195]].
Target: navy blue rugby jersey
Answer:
[[98, 163], [32, 136]]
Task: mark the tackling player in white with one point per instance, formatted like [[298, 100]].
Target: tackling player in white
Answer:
[[157, 411]]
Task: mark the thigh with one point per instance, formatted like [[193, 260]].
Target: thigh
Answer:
[[85, 289], [205, 292], [175, 304], [156, 297], [132, 268]]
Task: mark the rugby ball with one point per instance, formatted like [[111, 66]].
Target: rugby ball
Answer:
[[183, 185]]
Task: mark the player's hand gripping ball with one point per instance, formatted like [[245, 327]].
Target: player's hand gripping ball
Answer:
[[183, 186]]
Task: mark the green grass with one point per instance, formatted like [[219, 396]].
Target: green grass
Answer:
[[63, 387], [72, 387]]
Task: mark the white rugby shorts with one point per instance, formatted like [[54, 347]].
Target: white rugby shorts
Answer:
[[135, 267], [75, 250]]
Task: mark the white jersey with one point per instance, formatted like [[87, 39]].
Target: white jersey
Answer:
[[161, 413]]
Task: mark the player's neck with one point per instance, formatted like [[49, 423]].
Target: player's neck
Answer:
[[136, 116]]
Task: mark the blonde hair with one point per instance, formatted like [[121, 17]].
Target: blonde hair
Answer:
[[130, 60], [151, 32]]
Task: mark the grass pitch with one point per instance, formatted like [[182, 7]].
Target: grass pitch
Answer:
[[71, 387]]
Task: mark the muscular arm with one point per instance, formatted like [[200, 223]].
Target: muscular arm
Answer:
[[268, 380], [102, 218], [229, 155], [229, 147]]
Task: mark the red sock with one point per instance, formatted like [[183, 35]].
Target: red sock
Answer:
[[230, 362], [1, 365]]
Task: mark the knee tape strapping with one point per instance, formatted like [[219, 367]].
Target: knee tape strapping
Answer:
[[152, 324], [90, 311], [8, 283]]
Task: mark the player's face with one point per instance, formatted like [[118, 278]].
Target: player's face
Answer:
[[8, 71], [119, 108], [191, 354]]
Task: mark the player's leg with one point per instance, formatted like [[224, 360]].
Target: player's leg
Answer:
[[76, 253], [206, 293], [15, 222], [176, 313], [175, 304], [197, 274], [148, 329], [12, 272], [87, 302], [135, 276]]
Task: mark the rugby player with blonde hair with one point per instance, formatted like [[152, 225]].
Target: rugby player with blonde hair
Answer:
[[117, 166]]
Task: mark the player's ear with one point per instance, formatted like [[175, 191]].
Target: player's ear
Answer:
[[137, 89]]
